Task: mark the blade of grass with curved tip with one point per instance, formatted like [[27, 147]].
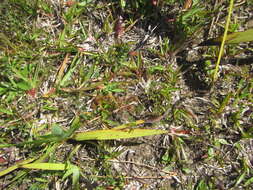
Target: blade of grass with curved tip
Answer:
[[16, 166], [112, 134], [23, 173]]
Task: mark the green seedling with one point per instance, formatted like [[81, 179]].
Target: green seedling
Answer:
[[59, 135], [26, 82]]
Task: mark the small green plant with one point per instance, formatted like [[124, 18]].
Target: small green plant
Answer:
[[58, 135]]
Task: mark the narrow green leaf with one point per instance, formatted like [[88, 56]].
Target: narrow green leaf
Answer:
[[223, 141], [44, 139], [233, 38], [239, 37], [111, 134], [84, 3], [45, 166], [202, 185], [67, 173], [6, 145], [23, 173], [240, 178], [24, 85], [74, 170], [224, 103], [70, 71], [6, 111], [76, 175], [131, 124], [74, 126], [57, 131], [16, 166], [249, 181]]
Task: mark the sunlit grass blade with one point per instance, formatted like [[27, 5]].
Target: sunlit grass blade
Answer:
[[75, 172], [74, 126], [111, 134], [45, 166], [131, 124], [23, 173], [62, 68], [6, 145], [70, 71], [16, 166]]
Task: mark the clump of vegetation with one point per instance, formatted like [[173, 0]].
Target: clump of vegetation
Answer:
[[126, 94]]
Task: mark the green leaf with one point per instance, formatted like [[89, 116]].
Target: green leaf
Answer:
[[76, 175], [233, 38], [240, 178], [24, 85], [2, 90], [223, 141], [42, 139], [249, 181], [202, 185], [67, 76], [57, 131], [74, 126], [110, 134], [84, 3], [6, 111], [74, 170], [23, 173], [6, 145], [122, 4], [16, 166], [45, 166]]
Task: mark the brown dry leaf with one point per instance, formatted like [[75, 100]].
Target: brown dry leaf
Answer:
[[119, 28], [187, 5], [154, 2], [49, 93], [70, 3], [62, 68], [32, 92]]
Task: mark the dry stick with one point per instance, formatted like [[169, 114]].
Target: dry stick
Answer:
[[223, 40]]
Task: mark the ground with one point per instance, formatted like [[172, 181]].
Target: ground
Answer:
[[100, 64]]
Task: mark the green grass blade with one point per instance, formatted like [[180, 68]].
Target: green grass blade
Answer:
[[16, 166], [70, 71], [112, 134], [249, 181], [74, 126], [6, 145], [131, 124], [233, 38], [239, 37], [45, 166], [21, 174]]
